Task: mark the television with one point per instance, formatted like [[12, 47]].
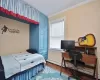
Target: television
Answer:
[[67, 44]]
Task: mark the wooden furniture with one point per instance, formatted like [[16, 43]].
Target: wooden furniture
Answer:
[[88, 50], [89, 59]]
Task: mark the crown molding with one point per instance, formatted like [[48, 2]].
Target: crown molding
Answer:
[[77, 5]]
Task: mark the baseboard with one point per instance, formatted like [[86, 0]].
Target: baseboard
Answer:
[[54, 62]]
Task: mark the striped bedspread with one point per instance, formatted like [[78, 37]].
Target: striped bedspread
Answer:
[[16, 63]]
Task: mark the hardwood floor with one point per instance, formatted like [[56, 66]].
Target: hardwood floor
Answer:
[[68, 71]]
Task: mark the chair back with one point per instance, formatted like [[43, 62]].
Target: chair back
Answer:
[[75, 54]]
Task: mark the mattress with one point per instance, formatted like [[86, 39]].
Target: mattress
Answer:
[[16, 63], [28, 60]]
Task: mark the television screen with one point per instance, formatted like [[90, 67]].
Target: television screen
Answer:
[[67, 44]]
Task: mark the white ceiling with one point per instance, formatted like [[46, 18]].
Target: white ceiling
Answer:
[[50, 7]]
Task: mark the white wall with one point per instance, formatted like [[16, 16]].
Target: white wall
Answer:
[[11, 43]]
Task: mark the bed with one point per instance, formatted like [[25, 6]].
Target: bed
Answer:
[[21, 66]]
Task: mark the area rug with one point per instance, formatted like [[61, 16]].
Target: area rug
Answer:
[[50, 74]]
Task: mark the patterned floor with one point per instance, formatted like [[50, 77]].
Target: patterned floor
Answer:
[[50, 74]]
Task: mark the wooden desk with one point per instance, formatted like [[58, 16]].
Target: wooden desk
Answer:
[[88, 50], [87, 59]]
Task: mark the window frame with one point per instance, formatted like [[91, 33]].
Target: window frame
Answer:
[[50, 23]]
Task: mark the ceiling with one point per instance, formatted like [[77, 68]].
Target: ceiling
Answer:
[[50, 7]]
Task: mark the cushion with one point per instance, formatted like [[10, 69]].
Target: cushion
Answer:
[[31, 51]]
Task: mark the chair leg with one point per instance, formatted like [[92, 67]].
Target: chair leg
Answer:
[[61, 71], [69, 78], [64, 64]]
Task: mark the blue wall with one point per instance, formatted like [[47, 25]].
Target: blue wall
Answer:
[[39, 36], [34, 37]]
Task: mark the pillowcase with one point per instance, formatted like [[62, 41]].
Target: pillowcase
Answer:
[[31, 51]]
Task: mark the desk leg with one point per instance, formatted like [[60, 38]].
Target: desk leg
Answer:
[[61, 65], [95, 68], [96, 72]]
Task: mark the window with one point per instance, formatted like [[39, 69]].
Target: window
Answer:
[[56, 34]]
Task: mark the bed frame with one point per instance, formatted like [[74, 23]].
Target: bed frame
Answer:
[[28, 74]]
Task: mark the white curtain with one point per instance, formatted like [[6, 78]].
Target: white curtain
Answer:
[[20, 7]]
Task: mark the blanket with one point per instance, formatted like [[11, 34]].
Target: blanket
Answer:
[[16, 63]]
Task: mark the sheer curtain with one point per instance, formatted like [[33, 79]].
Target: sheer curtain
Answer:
[[56, 34]]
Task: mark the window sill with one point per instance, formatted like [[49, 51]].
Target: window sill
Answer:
[[55, 49]]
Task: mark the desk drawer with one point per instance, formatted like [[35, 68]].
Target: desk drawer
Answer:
[[89, 59]]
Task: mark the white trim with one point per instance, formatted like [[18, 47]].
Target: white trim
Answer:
[[57, 20], [55, 49], [77, 5]]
